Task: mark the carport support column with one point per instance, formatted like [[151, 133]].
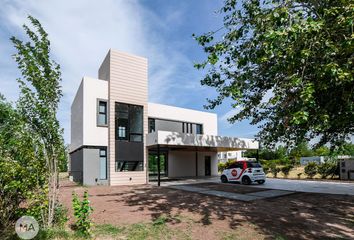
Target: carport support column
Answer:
[[196, 163], [158, 165]]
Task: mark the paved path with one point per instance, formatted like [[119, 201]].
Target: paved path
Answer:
[[309, 186], [246, 197], [284, 184]]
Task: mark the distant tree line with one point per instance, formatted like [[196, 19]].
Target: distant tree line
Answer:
[[301, 150]]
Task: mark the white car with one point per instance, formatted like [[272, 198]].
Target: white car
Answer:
[[246, 172]]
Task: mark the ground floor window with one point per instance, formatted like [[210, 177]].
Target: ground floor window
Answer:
[[124, 166], [103, 164]]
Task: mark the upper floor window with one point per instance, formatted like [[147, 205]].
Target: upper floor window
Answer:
[[129, 122], [199, 128], [187, 127], [151, 125], [101, 113]]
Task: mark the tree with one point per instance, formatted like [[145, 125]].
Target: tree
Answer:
[[288, 65], [346, 149], [322, 151], [22, 182], [40, 93], [301, 150]]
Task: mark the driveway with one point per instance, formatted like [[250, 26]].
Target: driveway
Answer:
[[308, 186], [283, 184]]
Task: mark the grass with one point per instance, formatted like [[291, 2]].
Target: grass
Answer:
[[157, 229], [245, 231], [108, 229]]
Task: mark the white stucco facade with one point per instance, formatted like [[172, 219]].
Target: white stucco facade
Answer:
[[85, 131], [94, 89], [230, 155], [182, 163], [208, 120], [219, 143], [77, 116]]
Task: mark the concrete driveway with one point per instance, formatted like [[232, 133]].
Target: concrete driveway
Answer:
[[309, 186], [283, 184]]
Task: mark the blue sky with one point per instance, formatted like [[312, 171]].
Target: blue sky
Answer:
[[82, 31]]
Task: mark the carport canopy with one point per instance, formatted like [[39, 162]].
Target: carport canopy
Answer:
[[164, 140]]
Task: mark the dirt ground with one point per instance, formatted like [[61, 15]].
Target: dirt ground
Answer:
[[296, 216]]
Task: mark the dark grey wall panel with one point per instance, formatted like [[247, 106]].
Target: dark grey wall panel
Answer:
[[129, 151], [76, 165], [91, 166]]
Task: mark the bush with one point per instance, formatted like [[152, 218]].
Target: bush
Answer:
[[311, 169], [274, 169], [286, 169], [221, 166], [328, 168], [299, 175], [82, 211], [265, 169], [60, 215]]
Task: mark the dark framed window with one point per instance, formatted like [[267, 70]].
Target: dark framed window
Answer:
[[151, 125], [129, 122], [103, 163], [187, 127], [102, 119], [199, 129], [122, 121], [125, 166], [136, 123]]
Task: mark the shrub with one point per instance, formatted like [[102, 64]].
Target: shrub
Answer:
[[60, 215], [311, 169], [274, 169], [285, 161], [299, 175], [82, 211], [286, 169], [328, 168], [265, 169], [221, 166]]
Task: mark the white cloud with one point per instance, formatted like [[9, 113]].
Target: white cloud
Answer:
[[224, 118], [82, 32]]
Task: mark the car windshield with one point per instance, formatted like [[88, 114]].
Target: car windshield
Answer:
[[253, 165]]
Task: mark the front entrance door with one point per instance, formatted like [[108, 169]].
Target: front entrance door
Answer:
[[207, 165]]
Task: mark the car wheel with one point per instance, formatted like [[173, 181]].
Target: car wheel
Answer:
[[223, 179], [261, 182], [246, 180]]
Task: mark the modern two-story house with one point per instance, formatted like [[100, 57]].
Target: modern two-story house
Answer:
[[118, 137]]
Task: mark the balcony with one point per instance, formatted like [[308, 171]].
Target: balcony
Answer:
[[213, 143]]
